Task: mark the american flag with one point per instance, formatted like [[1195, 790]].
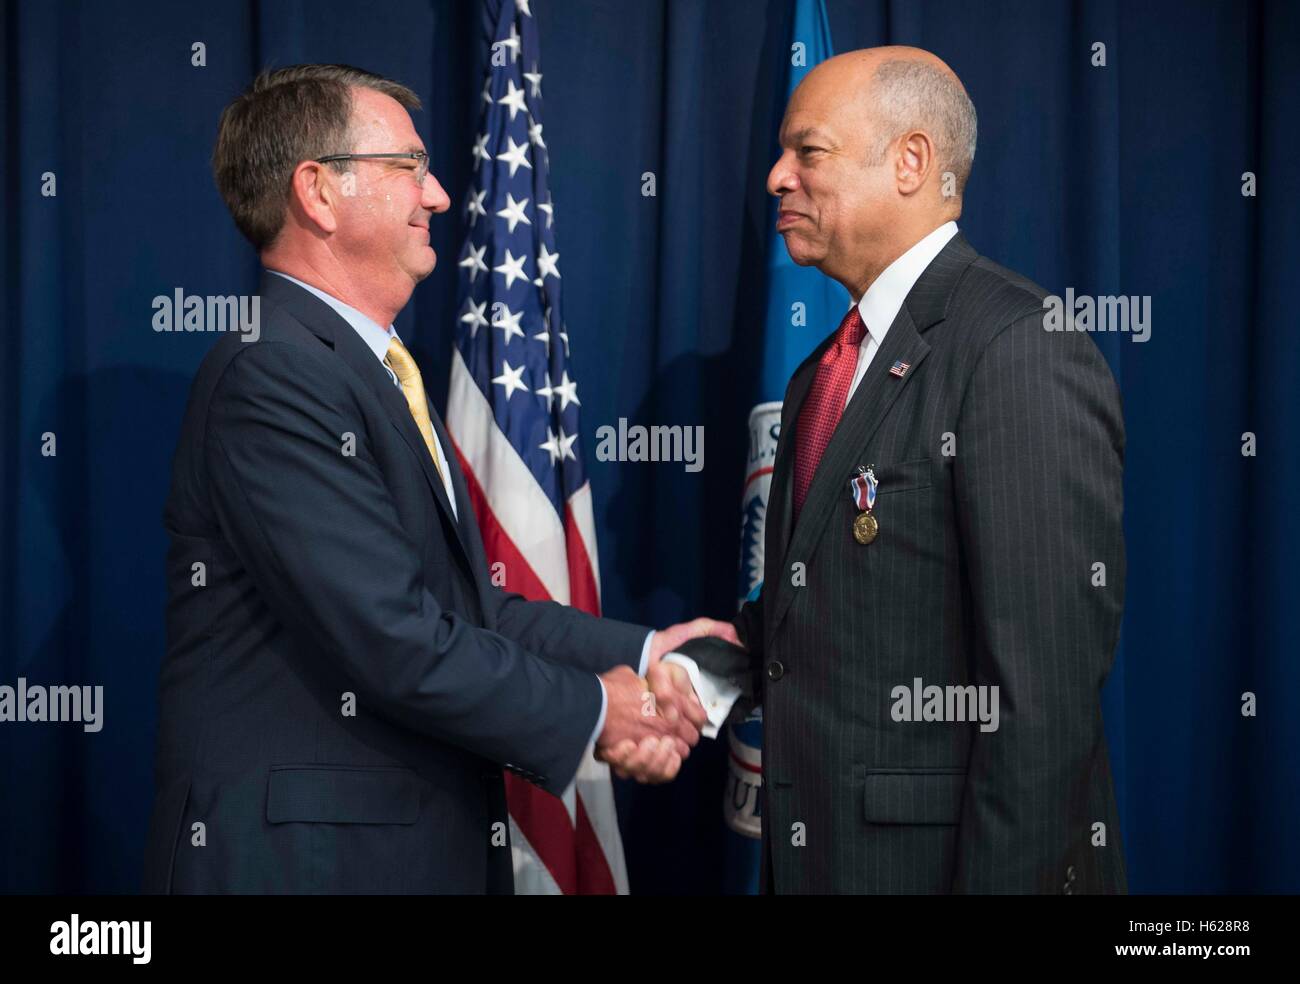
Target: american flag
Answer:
[[513, 416]]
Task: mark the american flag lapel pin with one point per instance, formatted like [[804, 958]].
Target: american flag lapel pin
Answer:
[[899, 368]]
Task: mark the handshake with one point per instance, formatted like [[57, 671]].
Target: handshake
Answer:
[[652, 724]]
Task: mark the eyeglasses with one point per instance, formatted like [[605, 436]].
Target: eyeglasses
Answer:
[[420, 157]]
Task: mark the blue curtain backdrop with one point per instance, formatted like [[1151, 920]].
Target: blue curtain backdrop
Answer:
[[1118, 179]]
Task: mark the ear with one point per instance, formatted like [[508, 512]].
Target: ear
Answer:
[[916, 159], [316, 194]]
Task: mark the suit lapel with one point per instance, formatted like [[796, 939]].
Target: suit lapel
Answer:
[[924, 307], [472, 541], [326, 323]]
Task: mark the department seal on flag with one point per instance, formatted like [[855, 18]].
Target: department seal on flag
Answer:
[[741, 807], [764, 429]]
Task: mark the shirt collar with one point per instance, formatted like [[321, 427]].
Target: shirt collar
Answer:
[[377, 339], [880, 304]]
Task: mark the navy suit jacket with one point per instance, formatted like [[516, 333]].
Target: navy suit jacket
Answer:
[[343, 682]]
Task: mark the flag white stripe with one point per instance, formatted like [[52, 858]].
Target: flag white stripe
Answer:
[[531, 876]]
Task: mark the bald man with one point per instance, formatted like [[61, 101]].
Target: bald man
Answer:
[[932, 634]]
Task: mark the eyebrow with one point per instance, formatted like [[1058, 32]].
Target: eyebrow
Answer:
[[805, 134]]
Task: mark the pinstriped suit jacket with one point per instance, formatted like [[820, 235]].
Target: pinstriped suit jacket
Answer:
[[999, 455]]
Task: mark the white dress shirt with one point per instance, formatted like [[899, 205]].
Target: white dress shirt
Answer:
[[883, 299]]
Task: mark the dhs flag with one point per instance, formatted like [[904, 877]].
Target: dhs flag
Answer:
[[801, 302]]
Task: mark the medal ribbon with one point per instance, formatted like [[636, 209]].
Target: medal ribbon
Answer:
[[863, 487]]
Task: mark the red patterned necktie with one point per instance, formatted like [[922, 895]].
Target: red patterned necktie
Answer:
[[825, 403]]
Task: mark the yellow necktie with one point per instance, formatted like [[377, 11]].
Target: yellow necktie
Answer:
[[408, 375]]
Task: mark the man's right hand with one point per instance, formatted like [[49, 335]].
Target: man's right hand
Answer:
[[650, 726]]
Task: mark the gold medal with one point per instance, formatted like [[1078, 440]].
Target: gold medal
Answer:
[[862, 488], [865, 528]]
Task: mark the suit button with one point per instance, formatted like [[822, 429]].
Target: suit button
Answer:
[[1069, 873], [775, 670]]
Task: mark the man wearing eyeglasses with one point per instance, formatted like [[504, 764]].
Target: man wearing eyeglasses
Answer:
[[343, 683]]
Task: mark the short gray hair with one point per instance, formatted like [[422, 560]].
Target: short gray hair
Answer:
[[917, 95]]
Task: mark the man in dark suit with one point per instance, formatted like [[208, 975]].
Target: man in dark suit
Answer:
[[343, 681], [944, 555]]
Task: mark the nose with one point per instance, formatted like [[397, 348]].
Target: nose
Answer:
[[782, 178], [434, 197]]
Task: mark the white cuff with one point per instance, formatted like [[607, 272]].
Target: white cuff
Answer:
[[645, 654], [604, 706], [715, 693]]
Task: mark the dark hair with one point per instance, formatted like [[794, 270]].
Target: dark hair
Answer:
[[286, 116]]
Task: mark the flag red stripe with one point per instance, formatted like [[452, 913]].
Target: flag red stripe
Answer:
[[582, 579], [545, 822]]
